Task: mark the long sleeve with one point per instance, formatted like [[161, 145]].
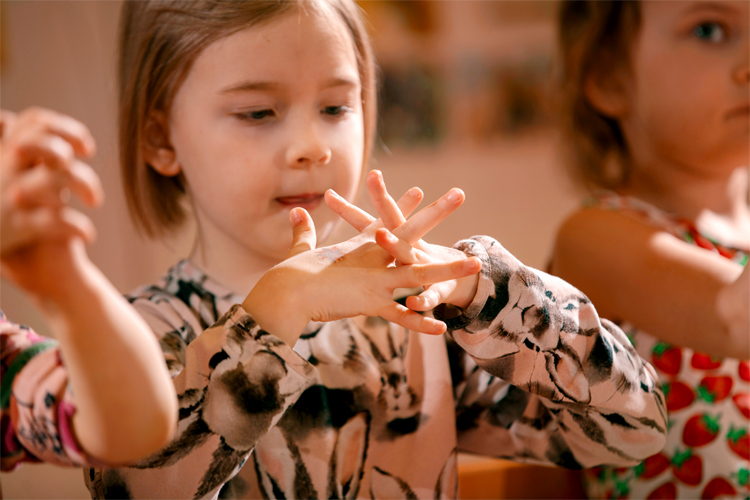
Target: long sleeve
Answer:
[[234, 382], [36, 406], [539, 377]]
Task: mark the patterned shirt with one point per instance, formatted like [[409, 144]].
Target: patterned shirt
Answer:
[[36, 407], [707, 454], [362, 408]]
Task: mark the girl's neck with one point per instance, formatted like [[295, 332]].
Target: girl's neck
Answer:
[[229, 263], [717, 204]]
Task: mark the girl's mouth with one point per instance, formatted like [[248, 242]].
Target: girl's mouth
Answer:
[[308, 201]]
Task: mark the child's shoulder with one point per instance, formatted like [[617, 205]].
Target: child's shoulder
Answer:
[[184, 299]]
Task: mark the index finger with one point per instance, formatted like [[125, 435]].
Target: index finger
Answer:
[[70, 129]]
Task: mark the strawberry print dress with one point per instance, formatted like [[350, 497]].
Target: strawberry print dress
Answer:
[[707, 454]]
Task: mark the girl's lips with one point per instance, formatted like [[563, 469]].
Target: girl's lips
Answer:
[[306, 201]]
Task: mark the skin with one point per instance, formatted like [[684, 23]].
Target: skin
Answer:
[[683, 106], [267, 120], [101, 337]]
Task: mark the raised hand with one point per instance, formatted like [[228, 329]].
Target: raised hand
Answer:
[[349, 279], [39, 170], [401, 238]]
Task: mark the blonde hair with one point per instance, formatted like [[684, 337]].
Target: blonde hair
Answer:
[[159, 40], [594, 36]]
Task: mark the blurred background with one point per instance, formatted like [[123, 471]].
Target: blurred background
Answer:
[[465, 93]]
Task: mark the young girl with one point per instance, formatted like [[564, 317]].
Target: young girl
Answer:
[[250, 112], [657, 110], [112, 418]]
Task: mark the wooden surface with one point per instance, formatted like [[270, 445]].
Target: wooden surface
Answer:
[[484, 478]]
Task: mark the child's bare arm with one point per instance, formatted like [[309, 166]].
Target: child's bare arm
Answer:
[[126, 407], [662, 285]]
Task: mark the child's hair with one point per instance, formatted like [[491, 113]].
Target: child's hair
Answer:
[[594, 36], [159, 40]]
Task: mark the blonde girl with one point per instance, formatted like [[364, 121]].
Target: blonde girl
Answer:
[[657, 113], [295, 368]]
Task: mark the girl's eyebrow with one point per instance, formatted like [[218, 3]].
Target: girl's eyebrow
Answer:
[[710, 5], [341, 82], [250, 87]]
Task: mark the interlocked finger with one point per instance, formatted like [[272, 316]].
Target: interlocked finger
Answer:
[[355, 216], [426, 219], [427, 274], [44, 186], [398, 248], [433, 296], [396, 313], [384, 204]]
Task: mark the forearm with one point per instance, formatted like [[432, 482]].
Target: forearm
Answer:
[[126, 405], [541, 334]]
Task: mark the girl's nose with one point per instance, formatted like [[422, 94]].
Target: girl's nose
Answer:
[[742, 73], [308, 150]]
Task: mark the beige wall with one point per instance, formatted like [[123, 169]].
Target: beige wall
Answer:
[[61, 55]]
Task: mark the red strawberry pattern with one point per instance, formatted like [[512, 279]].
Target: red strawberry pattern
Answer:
[[700, 430], [713, 389], [666, 358], [679, 395], [718, 487], [704, 362], [742, 402], [652, 466], [707, 454], [739, 442], [688, 468], [663, 492]]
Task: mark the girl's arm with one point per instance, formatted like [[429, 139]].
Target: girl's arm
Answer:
[[587, 397], [634, 271], [125, 404]]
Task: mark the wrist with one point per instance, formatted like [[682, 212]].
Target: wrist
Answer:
[[274, 305]]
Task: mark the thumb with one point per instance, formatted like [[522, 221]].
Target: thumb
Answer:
[[303, 229]]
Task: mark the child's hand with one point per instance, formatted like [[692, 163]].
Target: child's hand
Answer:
[[38, 172], [344, 280], [405, 244]]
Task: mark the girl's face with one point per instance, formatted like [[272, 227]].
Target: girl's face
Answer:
[[689, 101], [268, 119]]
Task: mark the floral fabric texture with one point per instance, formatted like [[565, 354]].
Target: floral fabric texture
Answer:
[[362, 408], [707, 454], [36, 407]]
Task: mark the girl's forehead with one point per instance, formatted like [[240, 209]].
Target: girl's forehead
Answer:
[[304, 43]]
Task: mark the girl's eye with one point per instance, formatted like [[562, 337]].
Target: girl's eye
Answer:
[[335, 110], [710, 32], [255, 115]]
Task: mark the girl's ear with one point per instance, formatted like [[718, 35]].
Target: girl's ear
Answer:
[[157, 149], [607, 92]]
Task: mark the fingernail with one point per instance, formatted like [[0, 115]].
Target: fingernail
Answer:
[[295, 216], [453, 196], [414, 192], [334, 194]]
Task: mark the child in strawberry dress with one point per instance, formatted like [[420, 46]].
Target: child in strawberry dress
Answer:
[[655, 96]]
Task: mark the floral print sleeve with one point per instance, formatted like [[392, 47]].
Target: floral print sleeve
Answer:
[[234, 382], [36, 406], [546, 380]]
